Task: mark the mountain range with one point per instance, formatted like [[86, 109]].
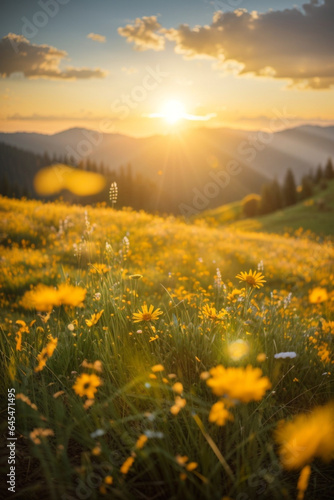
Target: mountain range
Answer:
[[184, 164]]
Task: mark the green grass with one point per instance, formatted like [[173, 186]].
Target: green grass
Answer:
[[306, 215], [179, 266]]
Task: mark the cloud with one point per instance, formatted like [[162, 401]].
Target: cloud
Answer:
[[294, 44], [18, 55], [144, 34], [97, 38]]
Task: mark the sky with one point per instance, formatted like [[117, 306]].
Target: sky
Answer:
[[141, 67]]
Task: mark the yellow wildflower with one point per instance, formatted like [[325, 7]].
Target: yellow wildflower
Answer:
[[210, 312], [94, 318], [97, 365], [71, 295], [38, 433], [86, 385], [307, 436], [178, 405], [44, 298], [327, 326], [146, 314], [178, 387], [46, 353], [243, 384], [219, 414], [99, 269], [253, 278], [181, 460], [18, 338], [318, 295], [232, 296], [157, 368], [26, 400], [42, 359], [51, 345], [303, 481], [126, 465], [141, 441], [191, 466]]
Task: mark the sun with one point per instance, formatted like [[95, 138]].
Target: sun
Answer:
[[173, 111]]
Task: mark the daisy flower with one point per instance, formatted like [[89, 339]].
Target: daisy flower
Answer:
[[146, 314], [253, 278]]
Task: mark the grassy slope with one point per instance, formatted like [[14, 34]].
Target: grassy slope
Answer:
[[304, 215], [37, 246], [224, 214], [31, 236]]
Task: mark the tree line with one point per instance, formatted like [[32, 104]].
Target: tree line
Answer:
[[18, 169], [275, 196]]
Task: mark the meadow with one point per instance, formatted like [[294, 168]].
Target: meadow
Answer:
[[157, 359], [306, 214]]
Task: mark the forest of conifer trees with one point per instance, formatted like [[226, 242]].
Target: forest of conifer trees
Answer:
[[18, 169], [275, 196]]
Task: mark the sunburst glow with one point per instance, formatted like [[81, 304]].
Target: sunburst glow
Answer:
[[173, 111]]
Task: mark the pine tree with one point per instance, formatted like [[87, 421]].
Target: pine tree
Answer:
[[271, 197], [46, 160], [289, 189], [266, 203], [102, 169], [276, 192], [329, 171], [318, 175], [306, 187], [4, 186], [129, 184]]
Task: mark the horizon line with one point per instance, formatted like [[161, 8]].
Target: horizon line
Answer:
[[177, 131]]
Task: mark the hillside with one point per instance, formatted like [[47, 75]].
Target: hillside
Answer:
[[314, 214], [183, 167], [167, 182], [48, 234], [300, 148], [114, 325]]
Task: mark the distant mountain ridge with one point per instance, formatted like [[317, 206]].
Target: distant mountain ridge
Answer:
[[184, 166], [300, 148]]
